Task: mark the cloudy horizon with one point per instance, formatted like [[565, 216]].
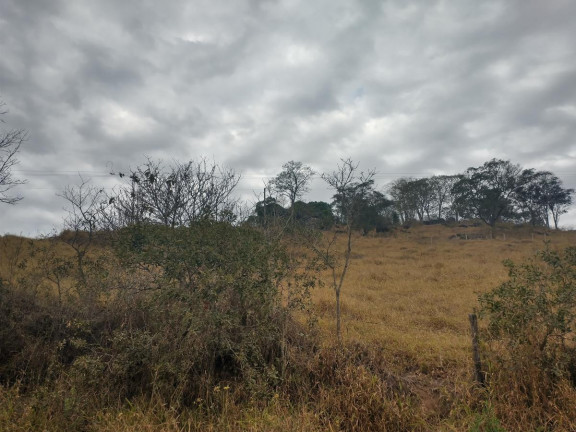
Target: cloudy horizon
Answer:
[[408, 88]]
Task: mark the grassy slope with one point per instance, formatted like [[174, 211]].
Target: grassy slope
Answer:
[[412, 292], [407, 296]]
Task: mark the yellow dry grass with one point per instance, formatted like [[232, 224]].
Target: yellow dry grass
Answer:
[[411, 292], [407, 296]]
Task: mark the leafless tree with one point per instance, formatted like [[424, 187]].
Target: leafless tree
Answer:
[[351, 187], [208, 188], [124, 206], [174, 195], [85, 207], [10, 142]]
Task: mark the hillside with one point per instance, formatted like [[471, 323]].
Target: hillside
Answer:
[[405, 362]]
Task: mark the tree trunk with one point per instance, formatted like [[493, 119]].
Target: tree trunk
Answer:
[[81, 274], [338, 326], [556, 217]]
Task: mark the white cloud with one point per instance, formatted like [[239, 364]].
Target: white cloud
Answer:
[[119, 122]]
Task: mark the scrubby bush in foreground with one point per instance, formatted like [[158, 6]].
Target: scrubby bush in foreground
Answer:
[[531, 344], [191, 327], [171, 314]]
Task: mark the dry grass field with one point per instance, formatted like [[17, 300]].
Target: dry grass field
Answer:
[[411, 292], [408, 296], [405, 304]]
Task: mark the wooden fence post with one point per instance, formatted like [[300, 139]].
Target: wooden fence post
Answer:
[[478, 374]]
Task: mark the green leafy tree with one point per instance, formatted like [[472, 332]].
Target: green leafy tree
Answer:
[[267, 212], [531, 201], [489, 192], [442, 196], [404, 198], [555, 197], [315, 213], [375, 212], [424, 194], [542, 197], [293, 182]]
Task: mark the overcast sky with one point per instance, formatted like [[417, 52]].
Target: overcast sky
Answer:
[[410, 88]]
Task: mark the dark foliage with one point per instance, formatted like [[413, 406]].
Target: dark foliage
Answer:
[[171, 313]]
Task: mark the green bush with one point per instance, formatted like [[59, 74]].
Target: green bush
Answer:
[[214, 307], [169, 313], [530, 345], [536, 309]]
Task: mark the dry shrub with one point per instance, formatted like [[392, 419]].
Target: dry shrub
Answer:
[[352, 389], [185, 311], [525, 398], [121, 359], [28, 331]]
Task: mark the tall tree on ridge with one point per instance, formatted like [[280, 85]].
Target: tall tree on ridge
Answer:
[[292, 182]]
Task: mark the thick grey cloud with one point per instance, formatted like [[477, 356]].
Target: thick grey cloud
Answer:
[[402, 86]]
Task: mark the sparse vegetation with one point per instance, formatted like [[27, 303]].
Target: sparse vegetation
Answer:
[[175, 337], [158, 309]]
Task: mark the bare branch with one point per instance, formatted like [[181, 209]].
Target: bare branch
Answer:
[[174, 195], [350, 188], [10, 142]]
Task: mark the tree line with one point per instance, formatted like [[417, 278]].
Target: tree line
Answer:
[[181, 193], [498, 190], [184, 192]]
